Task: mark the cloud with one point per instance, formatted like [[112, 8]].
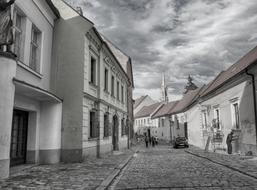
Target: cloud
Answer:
[[178, 37]]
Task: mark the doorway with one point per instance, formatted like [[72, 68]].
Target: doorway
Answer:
[[115, 133], [19, 137], [186, 130]]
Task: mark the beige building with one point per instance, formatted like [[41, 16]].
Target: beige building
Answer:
[[93, 85], [30, 111]]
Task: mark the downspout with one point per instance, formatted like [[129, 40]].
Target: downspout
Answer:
[[254, 99]]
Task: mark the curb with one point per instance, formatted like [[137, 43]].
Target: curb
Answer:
[[225, 165], [106, 183]]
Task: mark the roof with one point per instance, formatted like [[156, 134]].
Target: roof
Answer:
[[233, 70], [53, 8], [164, 109], [147, 110], [139, 100], [122, 57]]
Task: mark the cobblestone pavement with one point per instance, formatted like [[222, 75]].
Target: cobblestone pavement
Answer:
[[244, 164], [162, 167], [87, 175]]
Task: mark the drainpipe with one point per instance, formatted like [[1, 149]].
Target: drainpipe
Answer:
[[254, 99]]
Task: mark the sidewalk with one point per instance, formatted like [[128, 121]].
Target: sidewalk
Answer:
[[88, 175], [234, 162]]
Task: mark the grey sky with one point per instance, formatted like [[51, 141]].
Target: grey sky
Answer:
[[180, 37]]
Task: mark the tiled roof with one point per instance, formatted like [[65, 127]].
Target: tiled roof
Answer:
[[233, 70], [122, 57], [165, 108], [186, 101], [139, 100], [147, 110]]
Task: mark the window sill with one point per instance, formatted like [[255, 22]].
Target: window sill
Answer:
[[93, 138], [92, 84], [27, 68], [106, 92]]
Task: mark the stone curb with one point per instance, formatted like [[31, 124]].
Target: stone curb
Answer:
[[220, 163], [106, 183]]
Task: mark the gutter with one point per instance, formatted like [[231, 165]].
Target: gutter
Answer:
[[254, 99]]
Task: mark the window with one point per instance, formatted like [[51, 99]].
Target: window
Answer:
[[106, 79], [93, 70], [19, 30], [118, 90], [106, 125], [93, 125], [112, 92], [162, 122], [123, 128], [148, 120], [217, 118], [122, 94], [177, 122], [204, 120], [235, 118], [34, 62]]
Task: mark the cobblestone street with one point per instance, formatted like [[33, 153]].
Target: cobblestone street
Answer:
[[161, 167], [165, 168]]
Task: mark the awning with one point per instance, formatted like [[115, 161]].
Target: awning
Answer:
[[34, 92]]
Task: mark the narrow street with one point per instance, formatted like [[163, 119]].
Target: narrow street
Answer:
[[163, 167]]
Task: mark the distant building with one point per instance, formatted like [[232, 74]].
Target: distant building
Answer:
[[143, 121], [173, 117]]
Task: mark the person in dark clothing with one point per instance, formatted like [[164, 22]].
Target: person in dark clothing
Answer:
[[146, 141], [153, 141], [229, 142]]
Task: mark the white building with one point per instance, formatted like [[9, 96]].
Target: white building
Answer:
[[30, 111], [143, 121], [227, 104]]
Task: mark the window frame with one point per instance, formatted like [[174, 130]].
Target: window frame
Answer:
[[21, 31], [217, 117], [93, 73], [106, 79], [235, 115], [112, 86], [34, 63], [93, 128], [106, 125]]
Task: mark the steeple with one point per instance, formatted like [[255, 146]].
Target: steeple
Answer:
[[164, 90]]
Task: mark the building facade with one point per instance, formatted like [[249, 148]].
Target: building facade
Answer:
[[227, 104], [93, 86], [30, 111]]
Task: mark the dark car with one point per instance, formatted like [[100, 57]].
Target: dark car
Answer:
[[180, 142]]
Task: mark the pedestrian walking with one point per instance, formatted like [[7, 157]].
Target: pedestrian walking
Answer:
[[146, 141], [153, 141], [229, 142]]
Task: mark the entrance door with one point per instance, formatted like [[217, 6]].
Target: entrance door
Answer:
[[19, 137], [115, 133], [185, 128]]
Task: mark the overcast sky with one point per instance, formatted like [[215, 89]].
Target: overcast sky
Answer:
[[178, 37]]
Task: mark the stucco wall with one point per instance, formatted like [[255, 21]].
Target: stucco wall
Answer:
[[7, 72], [37, 13]]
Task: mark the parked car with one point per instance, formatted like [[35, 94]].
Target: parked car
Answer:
[[180, 142]]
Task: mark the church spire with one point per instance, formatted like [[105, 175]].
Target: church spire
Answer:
[[164, 90]]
